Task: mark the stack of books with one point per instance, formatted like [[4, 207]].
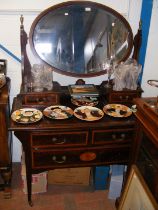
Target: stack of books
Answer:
[[88, 90]]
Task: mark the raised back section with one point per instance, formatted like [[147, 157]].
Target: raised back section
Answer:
[[110, 42]]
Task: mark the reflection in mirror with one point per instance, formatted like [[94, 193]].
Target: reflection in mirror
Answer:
[[81, 38]]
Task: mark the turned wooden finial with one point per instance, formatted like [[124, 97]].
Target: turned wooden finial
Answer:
[[21, 19], [140, 25]]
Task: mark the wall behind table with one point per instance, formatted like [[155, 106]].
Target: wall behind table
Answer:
[[151, 59], [10, 12]]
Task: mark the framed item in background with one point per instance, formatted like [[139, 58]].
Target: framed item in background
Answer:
[[136, 194]]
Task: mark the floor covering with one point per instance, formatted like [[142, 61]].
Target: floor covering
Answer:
[[56, 198]]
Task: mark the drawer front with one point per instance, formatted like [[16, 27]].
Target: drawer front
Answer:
[[59, 139], [41, 99], [112, 136], [122, 97], [81, 157]]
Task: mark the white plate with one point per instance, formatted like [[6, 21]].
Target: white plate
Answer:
[[117, 110], [58, 112], [88, 113], [26, 115]]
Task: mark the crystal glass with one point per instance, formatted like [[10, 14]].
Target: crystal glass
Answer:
[[108, 65], [154, 83]]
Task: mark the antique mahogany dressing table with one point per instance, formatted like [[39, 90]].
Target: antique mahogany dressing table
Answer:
[[50, 144]]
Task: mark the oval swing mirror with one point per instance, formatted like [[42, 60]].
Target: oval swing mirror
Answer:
[[77, 38]]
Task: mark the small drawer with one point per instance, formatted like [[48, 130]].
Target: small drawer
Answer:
[[41, 99], [122, 97], [68, 158], [59, 139], [112, 136]]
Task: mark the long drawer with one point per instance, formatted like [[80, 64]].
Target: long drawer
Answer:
[[59, 139], [47, 159]]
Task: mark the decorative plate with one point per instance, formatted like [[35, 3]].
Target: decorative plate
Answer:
[[26, 115], [58, 112], [117, 110], [88, 113], [84, 101]]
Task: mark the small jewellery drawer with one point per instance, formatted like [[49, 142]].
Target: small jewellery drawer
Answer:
[[59, 139], [41, 99], [81, 157], [112, 136], [123, 96]]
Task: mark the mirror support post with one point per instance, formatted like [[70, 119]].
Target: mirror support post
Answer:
[[137, 43], [25, 63]]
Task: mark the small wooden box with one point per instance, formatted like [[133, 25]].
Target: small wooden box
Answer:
[[70, 176], [124, 96]]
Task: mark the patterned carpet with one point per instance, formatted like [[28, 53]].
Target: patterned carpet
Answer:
[[56, 198]]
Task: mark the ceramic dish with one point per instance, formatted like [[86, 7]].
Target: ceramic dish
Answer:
[[88, 113], [58, 112], [26, 115], [117, 110], [84, 101]]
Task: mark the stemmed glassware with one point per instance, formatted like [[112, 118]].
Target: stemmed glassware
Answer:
[[154, 83], [110, 72], [108, 65]]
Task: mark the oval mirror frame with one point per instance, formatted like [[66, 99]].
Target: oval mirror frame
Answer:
[[99, 69]]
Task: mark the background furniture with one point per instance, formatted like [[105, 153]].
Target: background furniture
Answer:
[[5, 139], [136, 193], [145, 147]]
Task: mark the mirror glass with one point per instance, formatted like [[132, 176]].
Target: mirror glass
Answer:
[[79, 38]]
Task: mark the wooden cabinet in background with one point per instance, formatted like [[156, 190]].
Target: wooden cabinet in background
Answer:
[[145, 147], [5, 139]]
